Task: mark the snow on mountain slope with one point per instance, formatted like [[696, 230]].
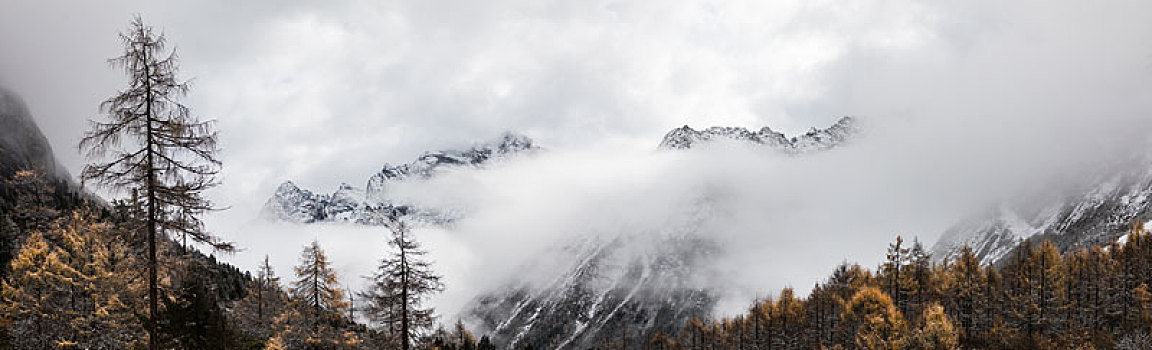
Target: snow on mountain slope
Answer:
[[1097, 211], [814, 140], [606, 287], [628, 285], [372, 204]]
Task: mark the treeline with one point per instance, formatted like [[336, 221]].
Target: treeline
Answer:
[[1096, 298], [74, 281], [72, 277]]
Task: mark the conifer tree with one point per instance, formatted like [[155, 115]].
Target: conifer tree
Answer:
[[878, 324], [266, 289], [1039, 298], [265, 300], [152, 143], [71, 286], [937, 332], [790, 313], [963, 286], [400, 286], [920, 285], [316, 287], [315, 318]]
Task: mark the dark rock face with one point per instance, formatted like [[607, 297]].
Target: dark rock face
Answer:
[[22, 145]]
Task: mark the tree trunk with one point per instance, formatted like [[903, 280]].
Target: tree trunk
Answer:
[[153, 293], [404, 327]]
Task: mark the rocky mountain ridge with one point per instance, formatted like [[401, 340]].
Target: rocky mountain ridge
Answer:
[[814, 140], [371, 205]]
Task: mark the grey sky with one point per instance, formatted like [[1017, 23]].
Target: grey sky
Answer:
[[325, 92]]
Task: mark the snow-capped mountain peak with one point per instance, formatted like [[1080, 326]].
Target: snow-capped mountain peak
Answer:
[[372, 204], [814, 140]]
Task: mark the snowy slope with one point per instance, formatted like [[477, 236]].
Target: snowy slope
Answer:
[[1094, 212], [611, 287]]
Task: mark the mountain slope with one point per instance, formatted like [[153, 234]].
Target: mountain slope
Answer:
[[629, 286], [1095, 211], [22, 145], [608, 288]]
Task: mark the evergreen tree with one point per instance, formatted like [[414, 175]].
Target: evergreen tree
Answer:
[[400, 286], [193, 319], [265, 300], [156, 147], [485, 344]]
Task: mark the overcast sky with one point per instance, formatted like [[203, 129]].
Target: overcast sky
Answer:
[[323, 92]]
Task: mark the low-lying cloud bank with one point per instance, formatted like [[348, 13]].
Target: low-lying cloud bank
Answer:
[[985, 99]]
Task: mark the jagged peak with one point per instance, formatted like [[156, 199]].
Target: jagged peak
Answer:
[[686, 137], [287, 187], [351, 203]]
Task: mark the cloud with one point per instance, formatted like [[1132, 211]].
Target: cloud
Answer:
[[965, 101]]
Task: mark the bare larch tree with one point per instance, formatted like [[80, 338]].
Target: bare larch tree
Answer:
[[152, 144], [400, 286]]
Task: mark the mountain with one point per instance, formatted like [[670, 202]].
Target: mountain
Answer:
[[1096, 209], [607, 288], [597, 286], [814, 140], [628, 286], [372, 205], [22, 145]]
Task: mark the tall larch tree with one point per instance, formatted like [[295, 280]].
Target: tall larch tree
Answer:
[[316, 287], [401, 285], [316, 316], [150, 142]]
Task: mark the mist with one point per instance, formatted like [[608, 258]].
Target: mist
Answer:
[[970, 115], [961, 104]]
